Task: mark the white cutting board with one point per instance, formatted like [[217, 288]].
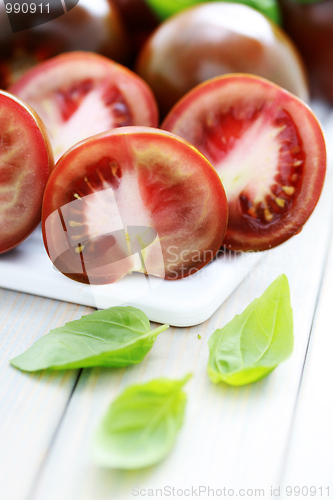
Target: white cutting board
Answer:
[[186, 302]]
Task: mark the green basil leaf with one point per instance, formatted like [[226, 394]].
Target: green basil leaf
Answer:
[[141, 425], [256, 341], [116, 337], [166, 8]]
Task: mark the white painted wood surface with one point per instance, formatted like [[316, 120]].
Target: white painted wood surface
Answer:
[[311, 452], [31, 406], [275, 432]]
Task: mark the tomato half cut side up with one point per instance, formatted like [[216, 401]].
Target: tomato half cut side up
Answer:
[[268, 149], [133, 199], [25, 162], [81, 94]]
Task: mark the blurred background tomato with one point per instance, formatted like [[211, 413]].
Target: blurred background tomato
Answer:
[[95, 26], [213, 39], [310, 24], [178, 53], [140, 21]]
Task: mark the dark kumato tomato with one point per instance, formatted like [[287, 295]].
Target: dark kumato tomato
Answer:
[[310, 25], [90, 25], [25, 163], [214, 39], [139, 20], [268, 149], [133, 199], [81, 94]]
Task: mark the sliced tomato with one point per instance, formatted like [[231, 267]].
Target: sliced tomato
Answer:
[[25, 162], [81, 94], [133, 199], [268, 149]]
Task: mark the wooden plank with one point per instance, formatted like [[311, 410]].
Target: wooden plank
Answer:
[[31, 405], [232, 437], [309, 460]]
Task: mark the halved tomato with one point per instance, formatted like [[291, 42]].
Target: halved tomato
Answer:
[[213, 39], [133, 199], [81, 94], [268, 149], [25, 162]]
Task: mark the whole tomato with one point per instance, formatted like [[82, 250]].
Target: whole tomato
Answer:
[[310, 25], [214, 39], [140, 21], [90, 25]]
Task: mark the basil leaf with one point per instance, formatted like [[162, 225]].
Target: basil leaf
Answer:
[[166, 8], [141, 425], [256, 341], [116, 337]]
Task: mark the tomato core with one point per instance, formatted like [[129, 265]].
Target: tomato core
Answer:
[[87, 218], [230, 141]]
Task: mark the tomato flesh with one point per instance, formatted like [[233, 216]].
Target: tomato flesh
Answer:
[[256, 136], [25, 162], [79, 95], [133, 199], [235, 142]]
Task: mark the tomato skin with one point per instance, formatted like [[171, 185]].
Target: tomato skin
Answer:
[[214, 39], [139, 20], [82, 28], [23, 180], [107, 91], [310, 25], [187, 117], [158, 181]]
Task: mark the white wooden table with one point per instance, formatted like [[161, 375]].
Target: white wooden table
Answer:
[[275, 433]]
